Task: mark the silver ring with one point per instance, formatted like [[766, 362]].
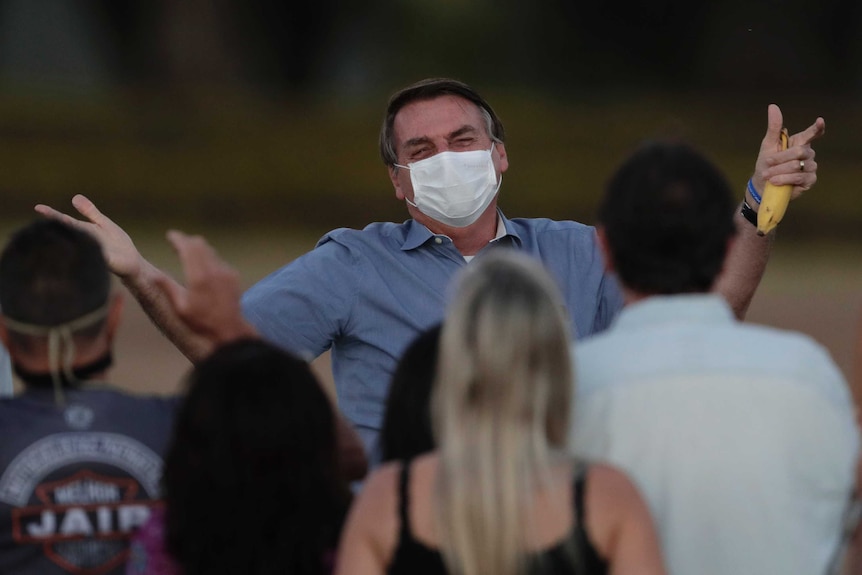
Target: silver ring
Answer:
[[801, 165]]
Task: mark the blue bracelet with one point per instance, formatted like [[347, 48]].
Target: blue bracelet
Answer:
[[753, 192]]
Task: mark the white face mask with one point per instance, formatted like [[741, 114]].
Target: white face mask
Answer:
[[454, 188]]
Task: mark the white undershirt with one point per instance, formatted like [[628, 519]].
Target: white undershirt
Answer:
[[501, 231]]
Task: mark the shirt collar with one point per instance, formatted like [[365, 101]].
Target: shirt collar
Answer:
[[686, 308], [418, 234]]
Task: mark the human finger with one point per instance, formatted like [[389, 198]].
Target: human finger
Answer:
[[774, 123], [175, 294], [49, 212], [789, 159], [809, 134], [199, 259], [89, 210], [801, 174]]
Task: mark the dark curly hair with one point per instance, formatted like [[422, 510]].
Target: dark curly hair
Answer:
[[667, 214], [251, 482]]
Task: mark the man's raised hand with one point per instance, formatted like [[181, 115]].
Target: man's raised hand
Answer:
[[122, 255], [796, 165], [209, 302]]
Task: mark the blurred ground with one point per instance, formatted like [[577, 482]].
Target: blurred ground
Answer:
[[813, 288]]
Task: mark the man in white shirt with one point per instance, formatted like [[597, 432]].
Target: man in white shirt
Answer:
[[740, 437]]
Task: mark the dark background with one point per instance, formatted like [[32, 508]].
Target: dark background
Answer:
[[264, 112]]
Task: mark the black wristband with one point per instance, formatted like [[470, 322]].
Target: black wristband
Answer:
[[748, 213]]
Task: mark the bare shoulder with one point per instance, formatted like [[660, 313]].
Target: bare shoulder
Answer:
[[379, 491], [618, 521], [370, 533], [610, 484]]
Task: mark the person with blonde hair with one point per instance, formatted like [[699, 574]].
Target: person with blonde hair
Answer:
[[500, 495]]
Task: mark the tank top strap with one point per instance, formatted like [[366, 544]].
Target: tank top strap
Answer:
[[587, 557], [404, 499], [579, 487]]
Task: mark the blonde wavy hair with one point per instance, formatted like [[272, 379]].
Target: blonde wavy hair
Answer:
[[500, 409]]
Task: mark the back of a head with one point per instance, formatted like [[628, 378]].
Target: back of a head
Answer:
[[251, 481], [500, 406], [406, 430], [667, 214], [429, 89], [51, 274]]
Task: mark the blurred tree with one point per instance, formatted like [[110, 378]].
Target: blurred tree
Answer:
[[264, 42], [557, 44], [51, 45], [839, 25], [626, 43], [130, 25]]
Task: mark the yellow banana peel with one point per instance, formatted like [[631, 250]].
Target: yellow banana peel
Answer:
[[774, 200]]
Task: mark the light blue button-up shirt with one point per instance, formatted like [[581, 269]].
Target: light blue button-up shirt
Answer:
[[741, 438], [367, 294]]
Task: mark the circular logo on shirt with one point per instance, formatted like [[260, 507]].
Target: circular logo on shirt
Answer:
[[78, 416], [80, 495]]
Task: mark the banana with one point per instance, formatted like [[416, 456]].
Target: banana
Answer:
[[774, 201]]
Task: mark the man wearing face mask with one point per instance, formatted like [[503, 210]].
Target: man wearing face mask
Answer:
[[365, 294]]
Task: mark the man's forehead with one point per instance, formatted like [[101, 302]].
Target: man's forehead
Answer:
[[438, 116]]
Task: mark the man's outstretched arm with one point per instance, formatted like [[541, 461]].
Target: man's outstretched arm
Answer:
[[209, 306], [140, 276], [747, 259]]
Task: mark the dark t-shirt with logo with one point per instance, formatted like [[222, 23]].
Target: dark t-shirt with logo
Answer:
[[77, 480]]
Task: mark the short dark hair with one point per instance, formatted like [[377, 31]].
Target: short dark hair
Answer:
[[406, 430], [251, 481], [429, 89], [52, 273], [667, 213]]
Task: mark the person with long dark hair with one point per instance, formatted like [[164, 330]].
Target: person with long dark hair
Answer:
[[251, 482], [406, 430], [255, 477]]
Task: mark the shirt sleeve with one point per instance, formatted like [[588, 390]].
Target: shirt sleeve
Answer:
[[307, 304]]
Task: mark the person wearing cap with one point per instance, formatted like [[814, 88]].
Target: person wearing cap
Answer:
[[80, 460], [365, 294]]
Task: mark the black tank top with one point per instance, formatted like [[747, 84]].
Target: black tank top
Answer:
[[573, 555]]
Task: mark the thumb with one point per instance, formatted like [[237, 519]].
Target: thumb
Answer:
[[774, 123], [175, 293]]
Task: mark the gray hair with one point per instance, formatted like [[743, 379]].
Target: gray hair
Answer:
[[428, 90]]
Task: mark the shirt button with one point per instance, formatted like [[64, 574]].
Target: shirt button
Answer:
[[438, 241]]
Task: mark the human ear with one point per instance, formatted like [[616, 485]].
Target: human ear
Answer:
[[504, 157], [115, 312], [393, 177], [4, 334], [604, 248]]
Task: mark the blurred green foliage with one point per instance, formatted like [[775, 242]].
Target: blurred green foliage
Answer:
[[221, 158]]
